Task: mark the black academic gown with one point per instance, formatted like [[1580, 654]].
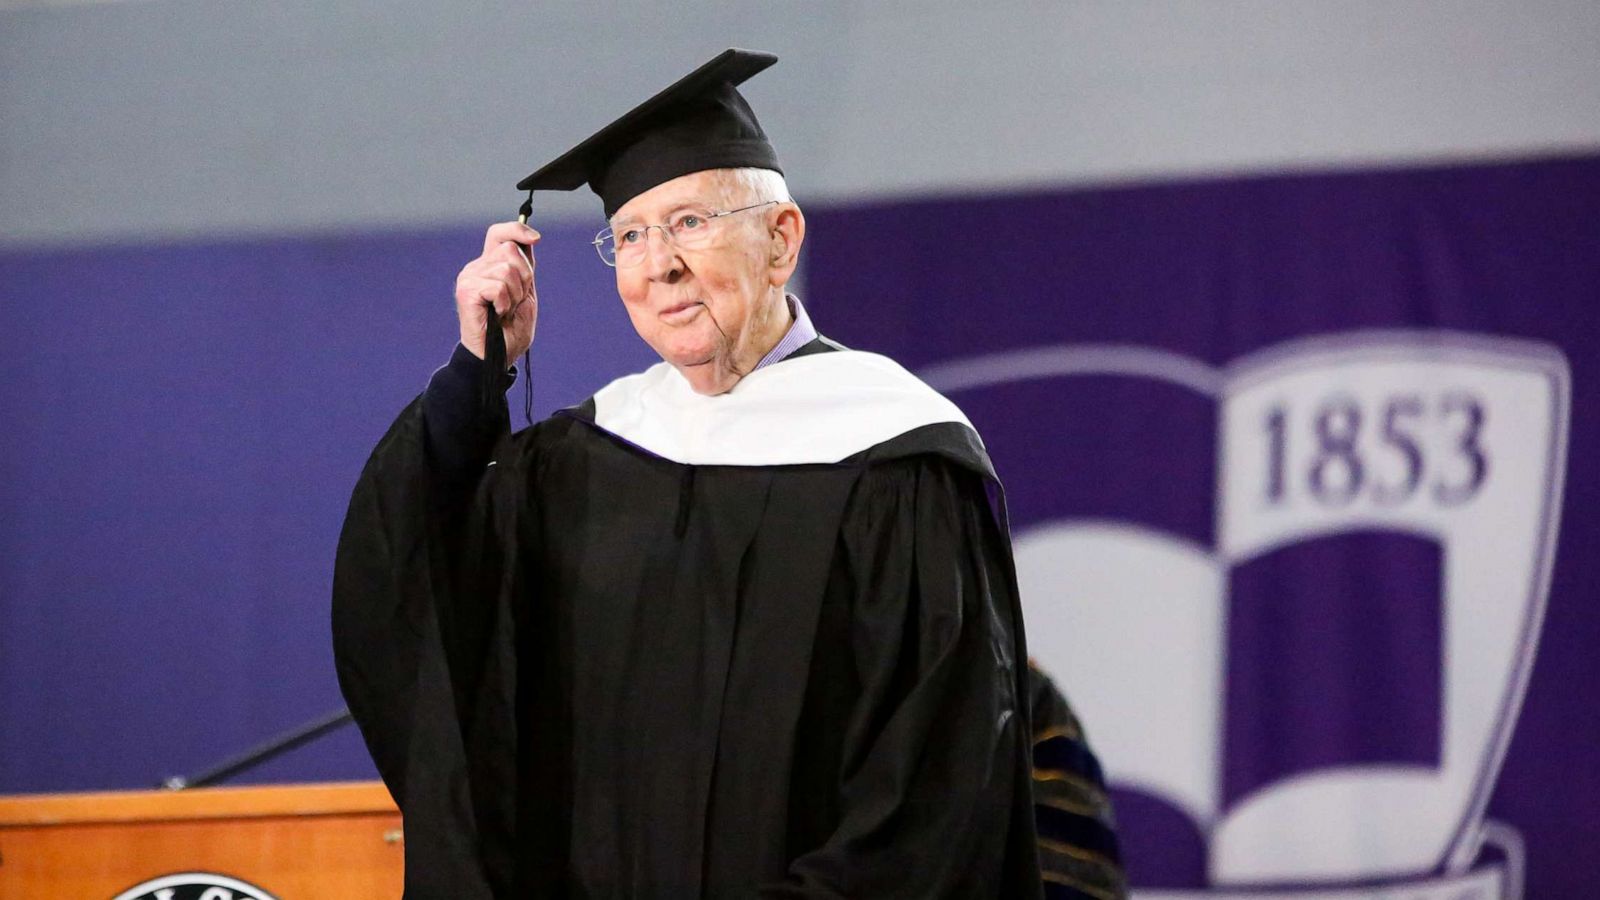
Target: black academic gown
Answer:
[[601, 673]]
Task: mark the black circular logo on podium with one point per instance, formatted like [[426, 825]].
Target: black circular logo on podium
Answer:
[[194, 886]]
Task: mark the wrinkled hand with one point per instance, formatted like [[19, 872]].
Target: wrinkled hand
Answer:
[[503, 277]]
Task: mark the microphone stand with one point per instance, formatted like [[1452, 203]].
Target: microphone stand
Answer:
[[271, 749]]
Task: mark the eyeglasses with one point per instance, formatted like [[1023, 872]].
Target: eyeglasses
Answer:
[[687, 229]]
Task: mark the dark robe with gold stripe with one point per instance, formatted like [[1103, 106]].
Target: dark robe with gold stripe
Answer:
[[1078, 851]]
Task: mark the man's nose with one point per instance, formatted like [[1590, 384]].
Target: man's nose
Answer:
[[661, 257]]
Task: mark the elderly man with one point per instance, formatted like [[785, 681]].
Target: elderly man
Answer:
[[744, 624]]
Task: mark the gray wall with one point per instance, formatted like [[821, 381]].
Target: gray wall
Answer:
[[161, 120]]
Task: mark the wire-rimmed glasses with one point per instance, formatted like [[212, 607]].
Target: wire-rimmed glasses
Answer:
[[689, 228]]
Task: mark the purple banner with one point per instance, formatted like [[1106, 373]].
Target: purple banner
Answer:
[[1300, 471], [1287, 462], [183, 426]]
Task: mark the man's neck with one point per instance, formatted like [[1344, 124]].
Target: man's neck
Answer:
[[780, 319], [762, 335]]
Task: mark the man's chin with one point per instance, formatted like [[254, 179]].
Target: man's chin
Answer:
[[690, 358], [705, 374]]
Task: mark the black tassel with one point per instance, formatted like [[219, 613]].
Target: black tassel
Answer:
[[527, 386], [493, 386], [523, 212]]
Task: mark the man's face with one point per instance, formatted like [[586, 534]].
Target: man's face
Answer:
[[706, 310]]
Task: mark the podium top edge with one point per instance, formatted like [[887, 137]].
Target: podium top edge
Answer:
[[262, 801]]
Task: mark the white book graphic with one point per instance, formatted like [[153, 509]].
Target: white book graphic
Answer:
[[1452, 444]]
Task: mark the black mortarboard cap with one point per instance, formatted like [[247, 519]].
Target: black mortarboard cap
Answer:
[[700, 122]]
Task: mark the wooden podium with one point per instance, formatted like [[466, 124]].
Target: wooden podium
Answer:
[[290, 841]]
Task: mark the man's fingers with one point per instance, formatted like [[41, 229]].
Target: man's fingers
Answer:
[[474, 293], [520, 274], [510, 271], [496, 279], [515, 312], [501, 279], [508, 232], [509, 302], [517, 256]]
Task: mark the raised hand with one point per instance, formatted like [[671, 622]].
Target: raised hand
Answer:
[[502, 276]]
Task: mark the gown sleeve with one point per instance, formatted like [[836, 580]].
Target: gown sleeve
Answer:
[[1079, 856], [934, 792], [422, 648]]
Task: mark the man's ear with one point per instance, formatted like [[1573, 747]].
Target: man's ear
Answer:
[[787, 233]]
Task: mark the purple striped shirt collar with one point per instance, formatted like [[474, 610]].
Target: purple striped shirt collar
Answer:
[[800, 333]]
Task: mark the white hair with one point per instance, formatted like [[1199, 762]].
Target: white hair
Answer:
[[746, 187], [749, 186]]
